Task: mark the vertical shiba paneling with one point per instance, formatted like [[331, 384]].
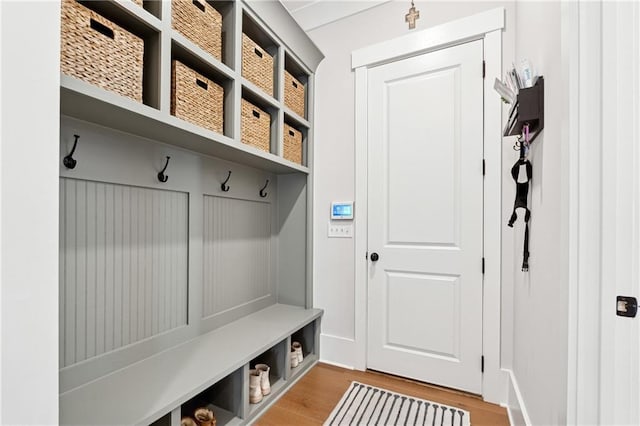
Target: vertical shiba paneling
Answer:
[[236, 253], [123, 266]]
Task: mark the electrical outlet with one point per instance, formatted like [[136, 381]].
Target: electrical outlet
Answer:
[[340, 231]]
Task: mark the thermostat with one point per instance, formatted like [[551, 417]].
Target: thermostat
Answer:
[[342, 210]]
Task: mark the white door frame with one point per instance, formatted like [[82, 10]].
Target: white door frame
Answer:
[[485, 26], [589, 39]]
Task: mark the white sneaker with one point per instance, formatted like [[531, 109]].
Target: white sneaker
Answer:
[[255, 392], [297, 347], [265, 386]]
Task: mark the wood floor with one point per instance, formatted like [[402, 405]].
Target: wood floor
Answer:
[[311, 400]]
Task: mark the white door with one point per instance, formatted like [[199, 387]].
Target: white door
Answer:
[[425, 183]]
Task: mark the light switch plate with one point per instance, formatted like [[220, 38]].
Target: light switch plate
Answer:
[[340, 231]]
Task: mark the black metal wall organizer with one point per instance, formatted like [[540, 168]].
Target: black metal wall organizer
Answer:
[[528, 109]]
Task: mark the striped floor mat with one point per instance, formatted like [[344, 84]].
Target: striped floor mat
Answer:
[[363, 404]]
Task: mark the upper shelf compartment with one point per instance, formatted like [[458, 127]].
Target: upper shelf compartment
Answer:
[[295, 88], [259, 57], [115, 46], [206, 24]]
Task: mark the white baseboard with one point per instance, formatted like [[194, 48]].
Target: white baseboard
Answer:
[[516, 408], [338, 351], [335, 364]]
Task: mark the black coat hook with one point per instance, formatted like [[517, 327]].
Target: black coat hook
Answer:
[[161, 176], [68, 161], [224, 185], [262, 193]]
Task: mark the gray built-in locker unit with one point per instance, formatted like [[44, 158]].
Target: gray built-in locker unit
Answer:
[[170, 291]]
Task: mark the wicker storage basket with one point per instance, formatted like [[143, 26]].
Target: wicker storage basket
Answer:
[[257, 65], [292, 144], [200, 22], [256, 126], [294, 94], [195, 98], [100, 52]]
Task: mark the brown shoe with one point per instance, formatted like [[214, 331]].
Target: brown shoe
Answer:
[[205, 417]]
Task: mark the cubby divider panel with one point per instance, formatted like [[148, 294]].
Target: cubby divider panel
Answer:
[[225, 8]]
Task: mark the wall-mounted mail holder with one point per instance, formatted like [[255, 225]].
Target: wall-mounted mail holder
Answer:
[[528, 109]]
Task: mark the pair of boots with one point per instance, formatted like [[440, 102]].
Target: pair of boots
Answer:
[[259, 384], [204, 417], [296, 354]]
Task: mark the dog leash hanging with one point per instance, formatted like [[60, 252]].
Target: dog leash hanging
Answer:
[[522, 193]]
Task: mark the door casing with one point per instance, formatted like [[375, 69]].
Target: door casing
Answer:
[[601, 171], [485, 26]]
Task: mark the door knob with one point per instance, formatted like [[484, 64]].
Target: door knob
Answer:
[[374, 257]]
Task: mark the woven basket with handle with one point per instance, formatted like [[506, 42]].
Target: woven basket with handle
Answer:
[[294, 94], [200, 22], [256, 126], [292, 144], [100, 52], [257, 65], [195, 98]]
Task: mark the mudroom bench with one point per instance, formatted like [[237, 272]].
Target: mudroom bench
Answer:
[[210, 369]]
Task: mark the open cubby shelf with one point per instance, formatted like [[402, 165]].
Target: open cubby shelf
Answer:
[[295, 120], [185, 49]]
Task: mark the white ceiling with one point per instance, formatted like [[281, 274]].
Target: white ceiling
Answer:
[[315, 13]]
